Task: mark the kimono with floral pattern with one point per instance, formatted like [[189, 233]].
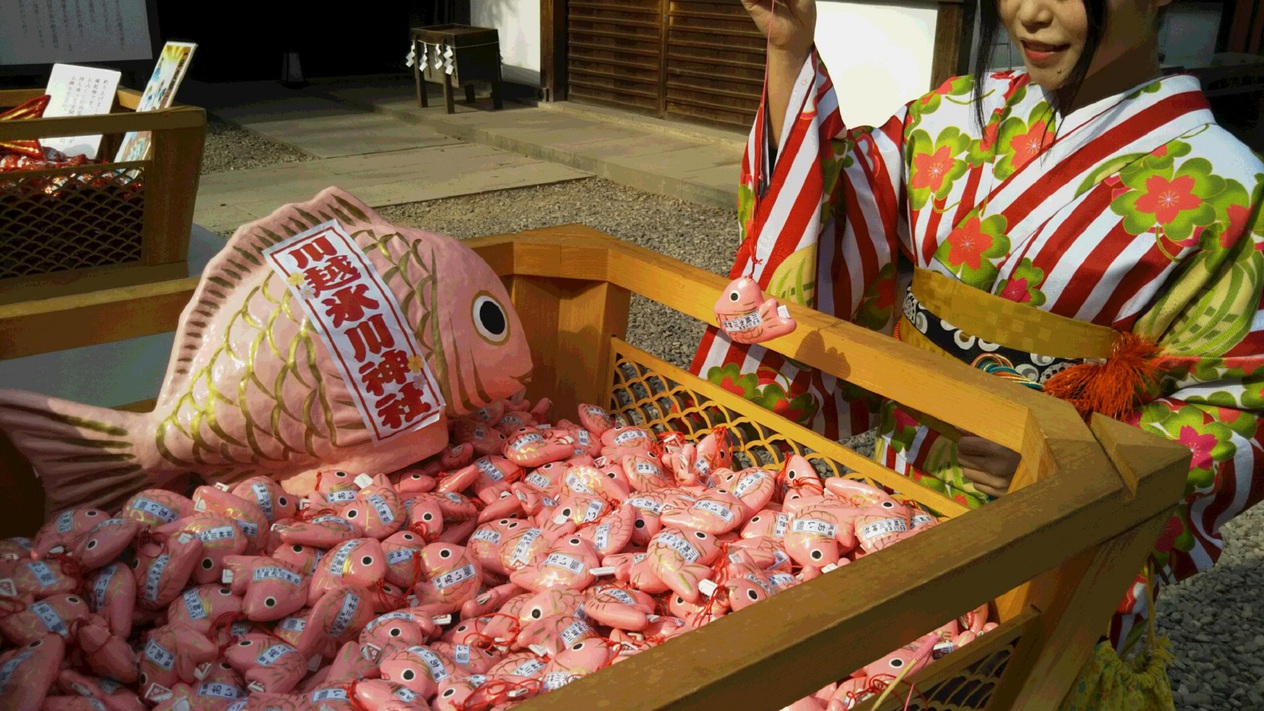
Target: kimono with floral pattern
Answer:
[[1137, 212]]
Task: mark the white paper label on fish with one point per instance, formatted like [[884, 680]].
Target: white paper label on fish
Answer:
[[490, 535], [340, 497], [565, 562], [779, 528], [651, 505], [485, 465], [620, 595], [681, 546], [346, 614], [293, 624], [524, 546], [377, 353], [160, 655], [576, 485], [102, 584], [743, 323], [624, 437], [882, 528], [594, 510], [49, 617], [155, 509], [601, 537], [274, 573], [193, 604], [537, 480], [155, 576], [218, 690], [921, 520], [43, 574], [219, 533], [530, 668], [383, 511], [274, 653], [263, 498], [574, 631], [454, 577], [715, 508], [432, 660], [338, 563], [329, 695], [748, 482], [461, 654], [65, 521], [811, 525]]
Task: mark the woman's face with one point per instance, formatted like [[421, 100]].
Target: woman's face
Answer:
[[1051, 35]]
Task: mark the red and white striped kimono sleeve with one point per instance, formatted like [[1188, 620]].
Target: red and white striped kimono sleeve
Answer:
[[839, 190]]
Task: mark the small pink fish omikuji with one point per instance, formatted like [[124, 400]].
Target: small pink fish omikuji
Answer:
[[252, 388], [747, 317]]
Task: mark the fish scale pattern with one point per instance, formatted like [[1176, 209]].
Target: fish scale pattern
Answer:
[[59, 220]]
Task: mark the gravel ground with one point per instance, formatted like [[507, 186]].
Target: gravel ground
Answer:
[[229, 147], [1214, 620]]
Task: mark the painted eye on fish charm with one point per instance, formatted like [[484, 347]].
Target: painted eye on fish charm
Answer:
[[490, 320]]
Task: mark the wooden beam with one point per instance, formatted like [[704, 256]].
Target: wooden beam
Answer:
[[553, 48], [33, 327], [954, 26]]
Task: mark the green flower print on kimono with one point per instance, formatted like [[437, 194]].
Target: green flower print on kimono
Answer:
[[1023, 286], [934, 165], [956, 90], [1210, 441], [936, 467], [1019, 140], [768, 389], [973, 248], [1182, 201]]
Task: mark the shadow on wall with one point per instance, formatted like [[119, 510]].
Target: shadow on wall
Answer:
[[517, 23]]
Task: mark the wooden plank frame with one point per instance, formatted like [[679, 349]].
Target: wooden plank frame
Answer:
[[171, 177], [1053, 554], [954, 28]]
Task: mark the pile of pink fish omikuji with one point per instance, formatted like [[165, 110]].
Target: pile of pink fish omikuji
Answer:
[[519, 560]]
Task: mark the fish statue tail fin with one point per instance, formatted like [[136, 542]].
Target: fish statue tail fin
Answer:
[[84, 455]]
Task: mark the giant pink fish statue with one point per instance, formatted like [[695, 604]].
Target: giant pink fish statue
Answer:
[[321, 337]]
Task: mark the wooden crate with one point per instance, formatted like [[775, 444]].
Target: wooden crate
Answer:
[[91, 237], [1054, 556]]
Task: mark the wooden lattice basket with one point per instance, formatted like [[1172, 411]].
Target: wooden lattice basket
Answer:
[[99, 225], [1052, 558]]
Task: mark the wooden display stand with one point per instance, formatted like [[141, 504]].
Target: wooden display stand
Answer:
[[476, 57], [1055, 555], [101, 240]]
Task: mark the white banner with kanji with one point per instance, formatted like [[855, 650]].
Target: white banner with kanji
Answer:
[[361, 323]]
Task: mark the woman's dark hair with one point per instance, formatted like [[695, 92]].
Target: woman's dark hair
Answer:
[[990, 24]]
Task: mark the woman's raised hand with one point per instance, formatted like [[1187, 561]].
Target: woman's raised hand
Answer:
[[790, 27]]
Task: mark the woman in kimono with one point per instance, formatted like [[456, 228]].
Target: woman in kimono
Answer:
[[1090, 202]]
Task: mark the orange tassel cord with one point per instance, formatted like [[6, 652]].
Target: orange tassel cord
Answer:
[[1112, 387]]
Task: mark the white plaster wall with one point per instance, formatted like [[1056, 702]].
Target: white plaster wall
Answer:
[[879, 56], [518, 25]]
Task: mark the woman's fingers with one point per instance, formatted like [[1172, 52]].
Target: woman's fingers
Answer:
[[989, 484]]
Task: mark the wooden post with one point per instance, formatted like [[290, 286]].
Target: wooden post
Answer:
[[571, 323], [553, 48], [588, 317], [954, 25], [176, 161], [1062, 640]]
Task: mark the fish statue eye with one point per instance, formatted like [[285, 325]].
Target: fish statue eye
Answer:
[[490, 319], [733, 296]]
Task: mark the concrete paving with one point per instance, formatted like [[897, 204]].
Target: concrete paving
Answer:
[[370, 137], [691, 163], [379, 158]]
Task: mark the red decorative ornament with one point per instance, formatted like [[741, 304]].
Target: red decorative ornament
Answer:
[[29, 110]]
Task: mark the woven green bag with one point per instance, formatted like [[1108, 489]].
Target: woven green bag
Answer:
[[1108, 683]]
